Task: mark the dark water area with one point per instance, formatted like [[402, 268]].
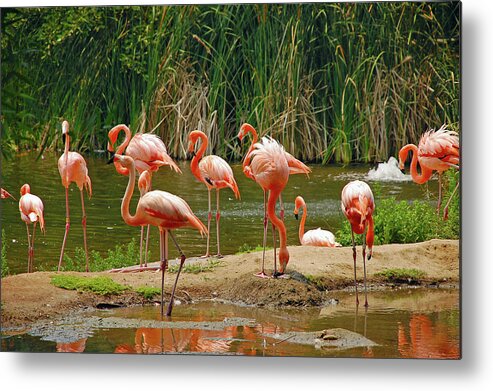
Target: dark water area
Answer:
[[241, 220], [403, 323]]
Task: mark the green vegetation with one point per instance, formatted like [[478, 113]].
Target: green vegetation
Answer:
[[197, 267], [334, 82], [121, 256], [401, 275], [148, 292], [246, 248], [4, 264], [99, 285], [402, 222]]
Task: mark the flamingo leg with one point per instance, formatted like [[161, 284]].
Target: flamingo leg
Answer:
[[28, 248], [209, 218], [84, 218], [163, 239], [141, 240], [218, 217], [32, 249], [439, 192], [262, 273], [445, 210], [354, 260], [147, 245], [67, 226], [182, 261], [364, 267]]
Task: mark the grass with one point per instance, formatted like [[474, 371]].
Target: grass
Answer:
[[197, 267], [148, 292], [334, 82], [99, 285], [401, 275], [245, 248], [4, 265]]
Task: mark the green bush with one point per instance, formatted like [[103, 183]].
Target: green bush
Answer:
[[4, 265]]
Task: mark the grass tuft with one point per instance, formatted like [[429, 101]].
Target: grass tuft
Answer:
[[99, 285], [402, 275]]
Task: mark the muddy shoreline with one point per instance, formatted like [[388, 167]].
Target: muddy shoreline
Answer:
[[317, 274]]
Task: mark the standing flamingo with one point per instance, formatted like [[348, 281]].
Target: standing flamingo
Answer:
[[358, 206], [149, 154], [72, 168], [31, 208], [215, 173], [5, 194], [437, 150], [314, 237], [163, 210], [270, 170], [295, 167]]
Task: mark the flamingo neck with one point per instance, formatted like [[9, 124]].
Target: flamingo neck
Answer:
[[250, 129], [301, 231], [194, 165], [125, 209], [425, 174], [121, 148], [370, 235]]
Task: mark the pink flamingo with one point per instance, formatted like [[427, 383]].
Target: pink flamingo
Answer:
[[314, 237], [358, 206], [5, 194], [149, 154], [31, 208], [295, 167], [73, 168], [215, 173], [437, 150], [269, 168], [163, 210]]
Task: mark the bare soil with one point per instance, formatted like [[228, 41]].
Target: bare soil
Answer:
[[314, 273]]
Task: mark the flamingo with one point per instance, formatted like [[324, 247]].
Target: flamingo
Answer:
[[358, 206], [270, 170], [295, 167], [31, 208], [149, 154], [314, 237], [5, 194], [437, 151], [214, 172], [73, 168], [163, 210]]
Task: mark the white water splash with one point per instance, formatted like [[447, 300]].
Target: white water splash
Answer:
[[388, 172]]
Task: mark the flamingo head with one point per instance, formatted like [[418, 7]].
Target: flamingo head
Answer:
[[25, 189], [283, 259], [125, 160], [65, 127], [299, 202], [193, 137], [113, 135], [6, 194], [145, 181], [244, 129], [403, 156]]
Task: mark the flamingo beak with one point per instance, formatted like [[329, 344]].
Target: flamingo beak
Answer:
[[296, 216], [112, 158]]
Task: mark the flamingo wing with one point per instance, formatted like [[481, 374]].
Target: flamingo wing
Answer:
[[149, 153], [269, 162], [319, 237], [216, 171], [32, 208], [296, 166], [439, 148]]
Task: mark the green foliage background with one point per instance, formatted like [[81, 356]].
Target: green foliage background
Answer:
[[335, 82]]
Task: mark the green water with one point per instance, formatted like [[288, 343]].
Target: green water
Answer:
[[241, 220], [404, 323]]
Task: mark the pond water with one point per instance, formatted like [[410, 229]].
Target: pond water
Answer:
[[241, 220], [403, 323]]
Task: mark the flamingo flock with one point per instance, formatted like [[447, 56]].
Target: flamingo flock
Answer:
[[266, 162]]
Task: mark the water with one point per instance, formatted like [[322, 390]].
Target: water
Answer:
[[241, 220], [406, 323]]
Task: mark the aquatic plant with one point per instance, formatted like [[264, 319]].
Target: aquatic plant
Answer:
[[334, 82], [4, 264], [100, 285]]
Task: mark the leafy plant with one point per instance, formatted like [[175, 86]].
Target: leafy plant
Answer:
[[246, 248], [4, 265], [401, 275], [148, 292]]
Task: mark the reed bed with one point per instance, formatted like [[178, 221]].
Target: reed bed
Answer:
[[335, 82]]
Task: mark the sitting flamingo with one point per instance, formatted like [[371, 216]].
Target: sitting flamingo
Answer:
[[31, 208], [314, 237]]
